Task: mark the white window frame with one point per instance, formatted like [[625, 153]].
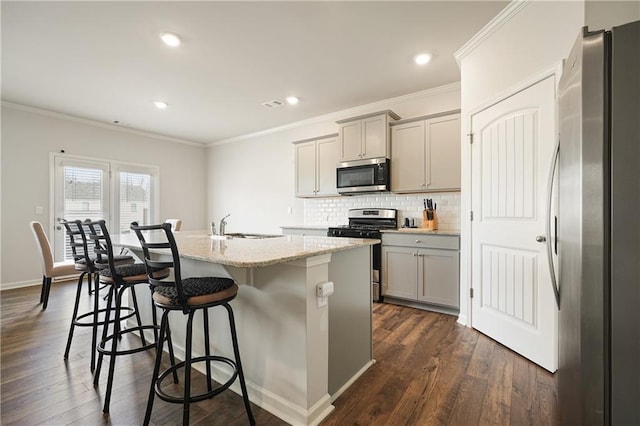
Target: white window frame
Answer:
[[115, 168], [119, 167]]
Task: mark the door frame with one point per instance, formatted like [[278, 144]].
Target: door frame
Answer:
[[114, 202], [466, 280]]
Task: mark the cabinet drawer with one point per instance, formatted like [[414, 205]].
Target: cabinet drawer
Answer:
[[447, 242]]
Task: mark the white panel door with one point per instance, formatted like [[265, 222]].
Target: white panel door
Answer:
[[512, 151]]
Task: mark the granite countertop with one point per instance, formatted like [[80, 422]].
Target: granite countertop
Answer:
[[453, 232], [249, 253]]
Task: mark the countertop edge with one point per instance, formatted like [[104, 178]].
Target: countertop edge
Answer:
[[285, 259], [353, 243]]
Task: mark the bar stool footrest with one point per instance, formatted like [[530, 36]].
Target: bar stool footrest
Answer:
[[77, 322], [200, 397], [151, 345]]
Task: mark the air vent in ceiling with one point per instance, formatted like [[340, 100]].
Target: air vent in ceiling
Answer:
[[273, 104]]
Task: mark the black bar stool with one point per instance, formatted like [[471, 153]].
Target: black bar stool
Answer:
[[189, 296], [85, 262], [119, 278]]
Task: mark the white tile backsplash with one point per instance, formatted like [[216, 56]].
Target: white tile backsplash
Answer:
[[334, 211]]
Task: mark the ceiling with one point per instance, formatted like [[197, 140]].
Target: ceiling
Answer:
[[104, 60]]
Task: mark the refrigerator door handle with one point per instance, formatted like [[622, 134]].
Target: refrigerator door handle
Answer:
[[550, 243]]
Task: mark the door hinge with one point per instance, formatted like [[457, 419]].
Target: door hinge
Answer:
[[471, 215], [471, 292], [470, 138]]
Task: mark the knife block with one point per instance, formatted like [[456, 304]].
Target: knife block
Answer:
[[430, 224]]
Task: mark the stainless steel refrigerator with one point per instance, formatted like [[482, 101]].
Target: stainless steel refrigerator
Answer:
[[598, 231]]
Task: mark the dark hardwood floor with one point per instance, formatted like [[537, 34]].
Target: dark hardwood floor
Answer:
[[432, 371], [429, 370]]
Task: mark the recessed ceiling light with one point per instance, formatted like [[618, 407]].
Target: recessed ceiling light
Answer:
[[170, 39], [291, 100], [422, 58], [160, 104]]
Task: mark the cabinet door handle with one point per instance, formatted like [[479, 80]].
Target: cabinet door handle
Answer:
[[415, 254], [541, 238], [418, 241]]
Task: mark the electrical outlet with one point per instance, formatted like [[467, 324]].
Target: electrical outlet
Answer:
[[323, 291], [322, 301]]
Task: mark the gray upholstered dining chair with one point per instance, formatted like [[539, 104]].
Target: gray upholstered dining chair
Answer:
[[50, 269]]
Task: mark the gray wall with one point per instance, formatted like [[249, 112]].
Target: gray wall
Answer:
[[28, 137]]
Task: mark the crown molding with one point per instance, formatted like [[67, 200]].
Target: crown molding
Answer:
[[89, 122], [494, 25], [346, 113], [334, 116]]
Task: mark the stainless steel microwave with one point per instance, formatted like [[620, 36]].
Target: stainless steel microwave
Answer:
[[362, 176]]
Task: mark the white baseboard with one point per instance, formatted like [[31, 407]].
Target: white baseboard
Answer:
[[20, 284], [31, 283], [462, 319], [352, 380]]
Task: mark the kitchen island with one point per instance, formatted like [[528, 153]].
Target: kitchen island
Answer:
[[298, 355]]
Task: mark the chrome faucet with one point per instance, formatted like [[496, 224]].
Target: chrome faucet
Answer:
[[223, 224]]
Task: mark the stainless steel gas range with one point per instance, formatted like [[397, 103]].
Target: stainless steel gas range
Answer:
[[367, 223]]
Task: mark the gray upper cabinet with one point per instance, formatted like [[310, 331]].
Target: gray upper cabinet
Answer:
[[316, 161], [366, 136], [425, 154]]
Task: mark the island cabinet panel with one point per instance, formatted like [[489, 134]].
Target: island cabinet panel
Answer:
[[422, 268], [425, 154], [299, 353], [316, 162], [365, 137]]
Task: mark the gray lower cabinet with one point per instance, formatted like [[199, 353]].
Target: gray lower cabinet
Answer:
[[422, 268]]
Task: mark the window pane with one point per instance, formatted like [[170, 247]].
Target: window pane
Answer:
[[135, 199], [83, 193], [84, 196]]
